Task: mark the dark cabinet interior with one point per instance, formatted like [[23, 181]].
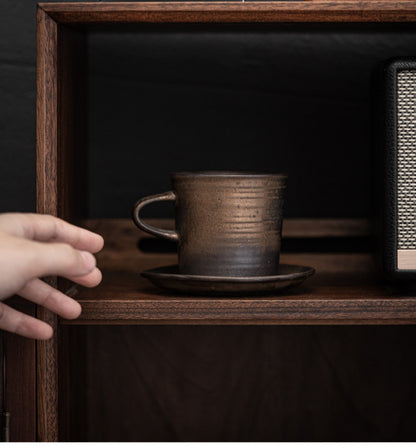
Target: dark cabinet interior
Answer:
[[295, 99], [243, 383], [330, 361], [282, 98]]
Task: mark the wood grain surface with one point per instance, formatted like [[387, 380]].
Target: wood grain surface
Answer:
[[72, 386], [219, 383], [47, 200], [21, 379], [60, 124], [46, 114], [206, 12], [124, 296]]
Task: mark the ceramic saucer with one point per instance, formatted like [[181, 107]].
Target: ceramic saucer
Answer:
[[169, 278]]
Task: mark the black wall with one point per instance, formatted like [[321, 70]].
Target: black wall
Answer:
[[17, 109], [288, 98]]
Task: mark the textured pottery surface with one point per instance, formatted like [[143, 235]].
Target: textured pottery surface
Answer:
[[227, 224]]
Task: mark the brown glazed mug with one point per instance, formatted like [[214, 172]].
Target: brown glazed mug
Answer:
[[226, 223]]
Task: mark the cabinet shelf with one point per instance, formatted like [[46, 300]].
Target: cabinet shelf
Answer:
[[345, 289]]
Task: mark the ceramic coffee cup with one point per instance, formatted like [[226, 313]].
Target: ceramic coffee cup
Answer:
[[226, 223]]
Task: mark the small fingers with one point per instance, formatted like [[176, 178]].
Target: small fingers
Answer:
[[19, 323], [91, 279], [43, 294], [46, 228]]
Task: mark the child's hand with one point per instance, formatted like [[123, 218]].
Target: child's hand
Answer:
[[33, 246]]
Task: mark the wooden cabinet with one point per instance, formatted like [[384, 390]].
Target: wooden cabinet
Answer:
[[345, 291]]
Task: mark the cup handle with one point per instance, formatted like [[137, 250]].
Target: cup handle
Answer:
[[159, 232]]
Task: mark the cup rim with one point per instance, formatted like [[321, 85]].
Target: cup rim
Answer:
[[227, 174]]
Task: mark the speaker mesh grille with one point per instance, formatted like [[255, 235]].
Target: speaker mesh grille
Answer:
[[406, 142]]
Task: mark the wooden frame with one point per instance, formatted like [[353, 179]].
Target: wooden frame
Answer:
[[232, 11], [60, 56]]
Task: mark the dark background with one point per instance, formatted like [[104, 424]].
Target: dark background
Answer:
[[294, 98], [296, 101]]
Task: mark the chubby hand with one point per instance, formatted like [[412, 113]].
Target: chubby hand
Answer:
[[33, 246]]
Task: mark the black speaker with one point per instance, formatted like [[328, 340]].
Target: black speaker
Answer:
[[398, 177]]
